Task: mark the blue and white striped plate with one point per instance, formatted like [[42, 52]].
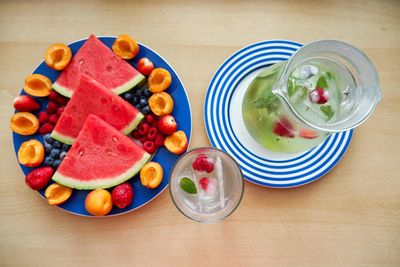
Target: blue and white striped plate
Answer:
[[226, 129]]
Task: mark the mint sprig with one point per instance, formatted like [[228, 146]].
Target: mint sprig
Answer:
[[188, 185], [327, 110], [268, 100]]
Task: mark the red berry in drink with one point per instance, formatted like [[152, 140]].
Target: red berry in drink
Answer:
[[308, 134], [203, 164], [319, 96], [204, 183], [283, 128]]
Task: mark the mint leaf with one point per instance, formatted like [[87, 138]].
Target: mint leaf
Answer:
[[322, 83], [327, 110], [268, 100], [188, 185], [290, 88]]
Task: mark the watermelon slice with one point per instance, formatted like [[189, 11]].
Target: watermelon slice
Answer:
[[98, 61], [91, 97], [101, 157]]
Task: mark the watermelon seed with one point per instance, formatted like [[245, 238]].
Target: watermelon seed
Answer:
[[109, 68], [115, 139], [73, 108], [81, 62], [80, 153], [114, 108], [109, 152]]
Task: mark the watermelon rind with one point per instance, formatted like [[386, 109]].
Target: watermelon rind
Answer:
[[62, 138], [102, 182], [133, 124], [138, 79]]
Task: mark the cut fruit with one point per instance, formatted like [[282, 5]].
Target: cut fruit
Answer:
[[95, 59], [101, 157], [91, 97]]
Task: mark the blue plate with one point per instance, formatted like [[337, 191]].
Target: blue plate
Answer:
[[181, 112], [226, 129]]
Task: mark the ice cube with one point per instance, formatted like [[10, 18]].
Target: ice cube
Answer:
[[307, 71], [220, 179]]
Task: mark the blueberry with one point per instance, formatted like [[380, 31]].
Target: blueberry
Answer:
[[62, 155], [56, 144], [143, 102], [137, 106], [48, 139], [145, 110], [65, 147], [48, 161], [128, 96], [56, 163], [47, 147], [147, 92], [55, 153], [139, 92], [135, 100]]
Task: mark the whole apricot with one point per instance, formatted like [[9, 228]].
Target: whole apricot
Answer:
[[98, 202]]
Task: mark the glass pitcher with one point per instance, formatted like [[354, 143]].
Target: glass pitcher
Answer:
[[325, 87]]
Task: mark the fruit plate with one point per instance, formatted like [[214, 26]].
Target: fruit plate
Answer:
[[181, 112], [226, 129]]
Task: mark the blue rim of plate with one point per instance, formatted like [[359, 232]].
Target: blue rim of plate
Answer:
[[291, 172], [181, 112]]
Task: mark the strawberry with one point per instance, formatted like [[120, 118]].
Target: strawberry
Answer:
[[149, 147], [39, 178], [319, 96], [26, 103], [46, 128], [283, 128], [203, 164], [159, 141], [122, 195], [308, 134], [53, 118], [51, 107], [43, 117]]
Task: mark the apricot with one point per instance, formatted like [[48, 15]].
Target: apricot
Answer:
[[37, 85], [125, 47], [151, 175], [58, 56], [98, 202], [161, 103], [159, 80], [176, 143], [57, 194], [24, 123], [31, 153]]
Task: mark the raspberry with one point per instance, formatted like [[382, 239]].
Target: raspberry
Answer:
[[60, 111], [149, 147], [283, 128], [203, 163], [155, 123], [159, 141], [51, 107], [143, 139], [53, 96], [152, 133], [143, 129], [204, 183], [122, 195], [150, 118], [319, 96], [53, 118], [62, 101], [135, 134], [46, 128], [43, 117], [39, 178]]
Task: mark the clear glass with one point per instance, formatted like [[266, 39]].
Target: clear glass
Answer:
[[326, 86], [204, 206]]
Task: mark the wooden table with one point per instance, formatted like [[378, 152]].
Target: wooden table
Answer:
[[350, 217]]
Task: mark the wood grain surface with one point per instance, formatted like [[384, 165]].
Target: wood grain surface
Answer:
[[350, 217]]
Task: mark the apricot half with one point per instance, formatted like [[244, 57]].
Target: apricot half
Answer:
[[58, 56], [151, 175], [37, 85], [176, 143], [57, 194], [161, 103], [159, 80], [24, 123], [125, 47], [31, 153]]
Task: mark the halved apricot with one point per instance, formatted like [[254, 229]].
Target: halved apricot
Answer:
[[159, 80], [37, 85], [161, 103], [31, 153], [151, 175], [58, 56], [125, 47], [57, 194], [24, 123], [176, 143]]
